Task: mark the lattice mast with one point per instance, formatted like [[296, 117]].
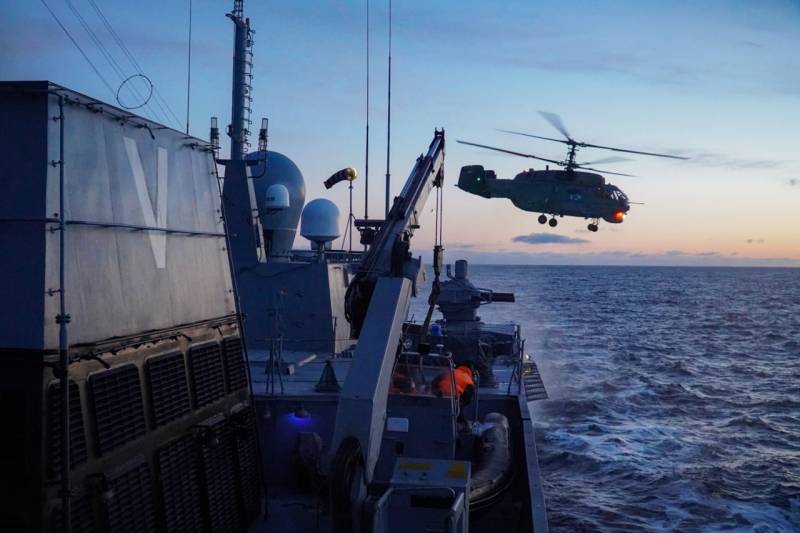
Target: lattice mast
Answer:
[[241, 92]]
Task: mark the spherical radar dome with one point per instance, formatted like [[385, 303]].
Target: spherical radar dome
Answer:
[[319, 222], [280, 225]]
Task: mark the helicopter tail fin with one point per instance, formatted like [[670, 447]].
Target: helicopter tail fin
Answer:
[[474, 179]]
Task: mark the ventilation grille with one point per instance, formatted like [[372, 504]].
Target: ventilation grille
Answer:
[[128, 498], [77, 438], [243, 431], [234, 363], [205, 367], [117, 404], [218, 479], [81, 517], [179, 484], [169, 392]]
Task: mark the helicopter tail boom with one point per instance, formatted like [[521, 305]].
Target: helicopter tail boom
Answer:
[[476, 180]]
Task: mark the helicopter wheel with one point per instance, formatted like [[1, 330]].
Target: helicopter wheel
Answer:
[[542, 219], [553, 222], [592, 227]]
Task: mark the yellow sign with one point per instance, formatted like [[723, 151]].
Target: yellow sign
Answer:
[[415, 466], [457, 470]]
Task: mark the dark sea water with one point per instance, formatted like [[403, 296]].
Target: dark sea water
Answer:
[[675, 393]]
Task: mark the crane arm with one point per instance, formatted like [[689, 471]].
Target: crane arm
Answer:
[[390, 254], [377, 300]]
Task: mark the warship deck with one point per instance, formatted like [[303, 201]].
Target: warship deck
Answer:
[[281, 397], [300, 372]]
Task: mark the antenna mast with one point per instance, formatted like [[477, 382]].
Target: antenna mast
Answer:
[[389, 118], [241, 93], [366, 149], [189, 70]]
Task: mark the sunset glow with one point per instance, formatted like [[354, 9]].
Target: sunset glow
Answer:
[[716, 82]]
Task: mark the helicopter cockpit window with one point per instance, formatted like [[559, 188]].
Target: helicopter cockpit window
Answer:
[[615, 194], [612, 193]]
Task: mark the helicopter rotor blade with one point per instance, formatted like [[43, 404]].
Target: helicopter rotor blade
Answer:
[[511, 152], [612, 159], [607, 172], [654, 154], [556, 122], [534, 136]]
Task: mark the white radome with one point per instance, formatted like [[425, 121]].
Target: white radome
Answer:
[[277, 198], [319, 222]]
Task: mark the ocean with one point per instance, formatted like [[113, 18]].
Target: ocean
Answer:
[[674, 393]]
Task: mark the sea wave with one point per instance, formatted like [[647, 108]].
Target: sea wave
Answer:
[[677, 404]]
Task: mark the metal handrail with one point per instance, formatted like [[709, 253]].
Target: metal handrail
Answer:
[[451, 371], [456, 511], [116, 225]]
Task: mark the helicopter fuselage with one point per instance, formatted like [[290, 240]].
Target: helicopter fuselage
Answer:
[[554, 192]]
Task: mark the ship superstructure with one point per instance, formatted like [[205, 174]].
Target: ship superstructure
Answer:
[[120, 333], [195, 370], [345, 448]]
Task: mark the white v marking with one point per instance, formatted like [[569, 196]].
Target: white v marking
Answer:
[[157, 217]]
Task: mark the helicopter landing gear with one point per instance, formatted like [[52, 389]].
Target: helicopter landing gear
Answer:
[[553, 222], [542, 219], [592, 226]]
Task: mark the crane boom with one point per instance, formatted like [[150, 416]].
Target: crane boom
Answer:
[[378, 300], [389, 254]]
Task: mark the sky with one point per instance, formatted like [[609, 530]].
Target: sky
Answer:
[[717, 81]]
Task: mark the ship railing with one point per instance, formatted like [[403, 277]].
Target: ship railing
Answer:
[[421, 370]]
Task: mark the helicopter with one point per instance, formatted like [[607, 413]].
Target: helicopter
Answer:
[[568, 192]]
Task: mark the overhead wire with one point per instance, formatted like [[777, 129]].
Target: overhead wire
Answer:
[[85, 56], [93, 36], [389, 120], [159, 100], [162, 116], [366, 150], [189, 69], [105, 53]]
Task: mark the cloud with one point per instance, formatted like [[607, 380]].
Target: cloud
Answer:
[[547, 238], [460, 246], [793, 182], [755, 241], [566, 43]]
